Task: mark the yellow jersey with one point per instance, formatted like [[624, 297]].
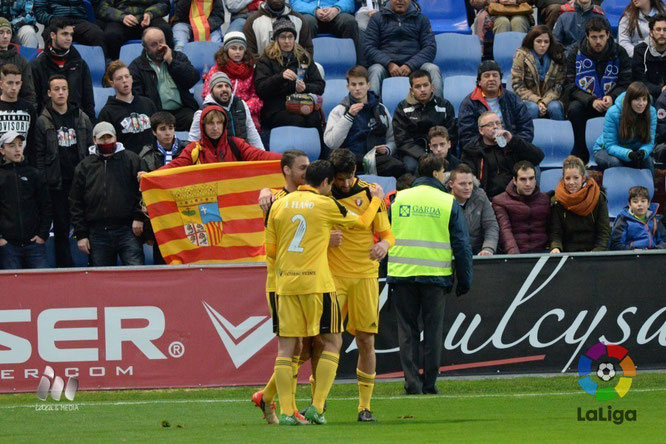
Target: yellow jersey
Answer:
[[270, 271]]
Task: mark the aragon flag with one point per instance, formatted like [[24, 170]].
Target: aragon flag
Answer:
[[209, 213]]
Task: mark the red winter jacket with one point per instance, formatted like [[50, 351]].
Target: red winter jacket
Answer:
[[523, 220]]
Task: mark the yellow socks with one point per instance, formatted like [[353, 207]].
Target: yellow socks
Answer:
[[366, 383], [284, 380], [295, 364], [325, 375], [270, 390]]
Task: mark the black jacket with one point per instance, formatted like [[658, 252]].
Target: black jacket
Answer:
[[13, 57], [131, 121], [648, 69], [412, 120], [493, 166], [184, 75], [152, 158], [181, 13], [105, 192], [20, 116], [78, 77], [46, 145], [25, 205], [660, 105]]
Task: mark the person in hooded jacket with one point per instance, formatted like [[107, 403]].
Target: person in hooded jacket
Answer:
[[639, 225], [649, 61], [9, 54]]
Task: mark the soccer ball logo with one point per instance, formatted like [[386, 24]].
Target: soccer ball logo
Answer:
[[606, 371]]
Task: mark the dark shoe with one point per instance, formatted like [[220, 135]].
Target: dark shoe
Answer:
[[431, 391], [365, 415]]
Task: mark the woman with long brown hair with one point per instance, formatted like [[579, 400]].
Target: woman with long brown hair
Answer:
[[629, 131], [634, 24]]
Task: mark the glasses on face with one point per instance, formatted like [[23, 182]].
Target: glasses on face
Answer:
[[496, 123], [286, 36]]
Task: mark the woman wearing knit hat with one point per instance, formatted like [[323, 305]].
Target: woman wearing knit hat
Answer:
[[234, 60]]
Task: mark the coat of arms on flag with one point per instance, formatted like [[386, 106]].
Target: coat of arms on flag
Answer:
[[199, 209]]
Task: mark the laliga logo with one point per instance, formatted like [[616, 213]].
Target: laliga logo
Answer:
[[57, 387], [602, 355]]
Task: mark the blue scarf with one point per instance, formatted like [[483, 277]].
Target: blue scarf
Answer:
[[587, 79], [542, 65], [168, 155]]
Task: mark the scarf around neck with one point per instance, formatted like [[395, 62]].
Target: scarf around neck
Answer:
[[583, 201], [237, 71]]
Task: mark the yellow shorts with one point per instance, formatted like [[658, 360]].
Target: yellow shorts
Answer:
[[306, 315], [359, 303]]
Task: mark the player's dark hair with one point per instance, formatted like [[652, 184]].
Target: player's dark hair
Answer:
[[638, 191], [429, 164], [597, 24], [522, 165], [343, 161], [161, 117], [58, 23], [290, 156], [318, 171]]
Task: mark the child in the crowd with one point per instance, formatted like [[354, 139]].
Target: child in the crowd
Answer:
[[439, 144], [25, 208], [234, 60], [638, 226]]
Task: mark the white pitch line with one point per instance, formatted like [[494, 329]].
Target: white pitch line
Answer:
[[247, 400]]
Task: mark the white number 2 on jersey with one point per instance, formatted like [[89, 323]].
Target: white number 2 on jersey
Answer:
[[295, 246]]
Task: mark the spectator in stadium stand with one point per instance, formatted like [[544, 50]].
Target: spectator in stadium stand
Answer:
[[15, 113], [579, 212], [413, 117], [537, 74], [63, 134], [659, 152], [240, 10], [222, 94], [25, 208], [129, 114], [588, 89], [362, 123], [420, 285], [629, 131], [85, 32], [491, 163], [105, 202], [398, 41], [634, 24], [549, 11], [22, 20], [286, 68], [258, 28], [489, 95], [60, 57], [523, 213], [638, 226], [128, 19], [570, 26], [182, 21], [439, 143], [479, 214], [216, 145], [649, 61], [9, 53], [235, 61], [165, 77]]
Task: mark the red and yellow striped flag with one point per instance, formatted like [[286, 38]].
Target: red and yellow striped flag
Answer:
[[199, 12], [209, 213]]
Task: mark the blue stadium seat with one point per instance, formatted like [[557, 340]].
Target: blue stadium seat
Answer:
[[196, 91], [90, 11], [285, 138], [201, 54], [504, 47], [94, 57], [387, 183], [550, 179], [183, 135], [27, 52], [446, 15], [555, 138], [335, 55], [456, 88], [617, 182], [129, 52], [593, 130], [148, 254], [101, 95], [457, 54], [613, 10], [394, 91], [335, 91]]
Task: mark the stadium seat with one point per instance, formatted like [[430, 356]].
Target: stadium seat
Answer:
[[335, 91], [196, 91], [27, 52], [101, 96], [129, 52], [394, 91], [593, 130], [446, 15], [613, 10], [550, 179], [201, 54], [285, 138], [617, 182], [555, 138], [457, 54], [335, 55], [456, 88], [387, 183], [504, 47], [183, 135], [94, 57]]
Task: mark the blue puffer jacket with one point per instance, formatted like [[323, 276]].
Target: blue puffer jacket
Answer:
[[403, 39], [629, 233], [19, 13], [309, 6], [610, 137]]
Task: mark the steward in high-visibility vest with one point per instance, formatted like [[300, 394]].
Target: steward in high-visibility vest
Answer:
[[429, 229]]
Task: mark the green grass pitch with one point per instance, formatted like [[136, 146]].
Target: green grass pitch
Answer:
[[524, 409]]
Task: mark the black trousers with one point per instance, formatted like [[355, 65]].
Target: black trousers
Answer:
[[116, 34], [411, 299], [578, 114], [61, 226]]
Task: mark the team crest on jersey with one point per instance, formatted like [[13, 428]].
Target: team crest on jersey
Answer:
[[200, 212], [135, 123], [358, 202]]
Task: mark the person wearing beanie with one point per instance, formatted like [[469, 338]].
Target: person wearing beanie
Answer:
[[490, 95], [210, 26], [10, 54], [85, 32], [105, 202], [21, 19], [258, 28]]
